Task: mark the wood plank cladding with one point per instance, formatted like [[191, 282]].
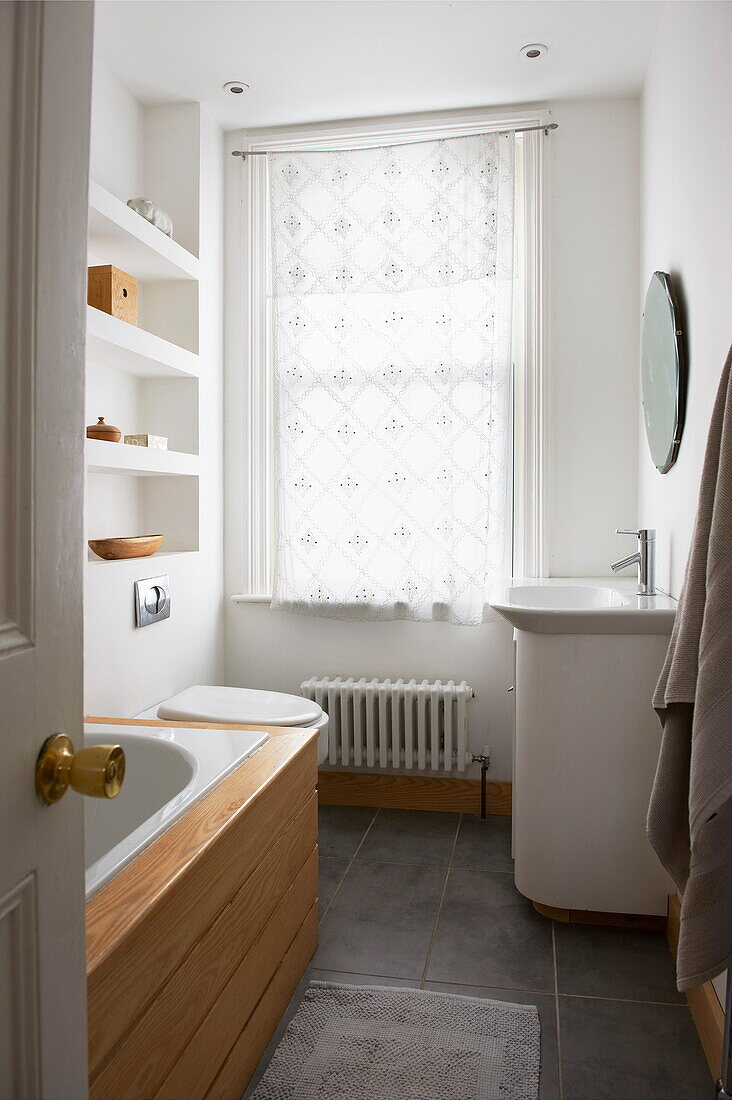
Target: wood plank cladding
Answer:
[[168, 935], [249, 1047], [644, 921], [126, 901], [207, 1050], [412, 792], [174, 1013]]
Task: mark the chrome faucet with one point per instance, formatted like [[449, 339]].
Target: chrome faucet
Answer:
[[644, 558]]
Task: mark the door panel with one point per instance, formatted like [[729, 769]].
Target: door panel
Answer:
[[18, 999], [45, 94]]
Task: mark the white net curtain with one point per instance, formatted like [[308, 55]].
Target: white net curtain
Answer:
[[391, 278]]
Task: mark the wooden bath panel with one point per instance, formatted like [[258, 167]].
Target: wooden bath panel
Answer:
[[238, 1068], [207, 1051], [167, 935], [175, 1012]]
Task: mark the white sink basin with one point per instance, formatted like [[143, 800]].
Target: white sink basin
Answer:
[[583, 606], [566, 598]]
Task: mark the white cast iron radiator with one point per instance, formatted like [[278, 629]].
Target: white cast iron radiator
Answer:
[[395, 724]]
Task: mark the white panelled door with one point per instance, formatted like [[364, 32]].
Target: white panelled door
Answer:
[[45, 93]]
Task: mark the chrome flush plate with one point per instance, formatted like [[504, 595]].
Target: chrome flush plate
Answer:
[[152, 600]]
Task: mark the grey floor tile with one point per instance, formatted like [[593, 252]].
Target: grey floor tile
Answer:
[[381, 920], [485, 845], [330, 873], [620, 1050], [342, 828], [546, 1003], [342, 978], [615, 962], [411, 836], [488, 934]]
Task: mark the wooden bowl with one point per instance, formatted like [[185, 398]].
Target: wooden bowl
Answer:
[[137, 546]]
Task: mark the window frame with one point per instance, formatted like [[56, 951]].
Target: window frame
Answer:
[[249, 384]]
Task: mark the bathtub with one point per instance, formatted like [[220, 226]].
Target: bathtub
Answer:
[[168, 770]]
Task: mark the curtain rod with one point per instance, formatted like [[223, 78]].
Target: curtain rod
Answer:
[[505, 130]]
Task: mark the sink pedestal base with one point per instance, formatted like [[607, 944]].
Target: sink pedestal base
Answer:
[[587, 741]]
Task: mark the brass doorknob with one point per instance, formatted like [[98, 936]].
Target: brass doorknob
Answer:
[[98, 770]]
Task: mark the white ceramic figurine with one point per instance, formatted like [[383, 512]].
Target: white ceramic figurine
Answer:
[[152, 213]]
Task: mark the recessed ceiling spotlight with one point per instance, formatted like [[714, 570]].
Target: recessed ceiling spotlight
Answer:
[[533, 50], [236, 87]]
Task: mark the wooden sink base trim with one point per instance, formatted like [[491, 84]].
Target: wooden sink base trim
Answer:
[[645, 921]]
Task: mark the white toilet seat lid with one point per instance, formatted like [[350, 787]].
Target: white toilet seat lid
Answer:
[[204, 703]]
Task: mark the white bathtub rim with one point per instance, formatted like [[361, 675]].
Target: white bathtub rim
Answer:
[[207, 774]]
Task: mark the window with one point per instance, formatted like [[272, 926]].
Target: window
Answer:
[[387, 325]]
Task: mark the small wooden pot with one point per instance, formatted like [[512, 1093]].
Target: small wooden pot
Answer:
[[100, 430]]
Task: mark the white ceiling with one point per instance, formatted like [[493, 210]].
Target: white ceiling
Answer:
[[312, 60]]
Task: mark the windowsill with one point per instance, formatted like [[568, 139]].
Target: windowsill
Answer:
[[243, 598]]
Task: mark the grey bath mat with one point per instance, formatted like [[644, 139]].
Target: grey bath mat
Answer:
[[368, 1042]]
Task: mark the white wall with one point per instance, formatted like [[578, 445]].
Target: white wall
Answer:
[[593, 439], [128, 669], [687, 231], [117, 136], [593, 292]]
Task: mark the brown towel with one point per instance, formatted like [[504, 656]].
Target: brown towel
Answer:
[[690, 814]]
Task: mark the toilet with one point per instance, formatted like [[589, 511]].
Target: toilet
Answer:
[[246, 706]]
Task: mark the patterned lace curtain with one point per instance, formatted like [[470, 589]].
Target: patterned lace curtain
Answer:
[[391, 278]]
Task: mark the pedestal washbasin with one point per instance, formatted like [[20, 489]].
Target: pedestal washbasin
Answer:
[[587, 656], [578, 606]]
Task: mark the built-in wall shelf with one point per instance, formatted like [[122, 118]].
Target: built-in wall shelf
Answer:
[[111, 342], [119, 236], [148, 377], [134, 564], [121, 458]]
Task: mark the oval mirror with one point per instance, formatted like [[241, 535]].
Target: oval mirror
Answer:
[[663, 372]]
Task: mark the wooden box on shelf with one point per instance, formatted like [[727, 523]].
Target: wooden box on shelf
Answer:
[[113, 291]]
